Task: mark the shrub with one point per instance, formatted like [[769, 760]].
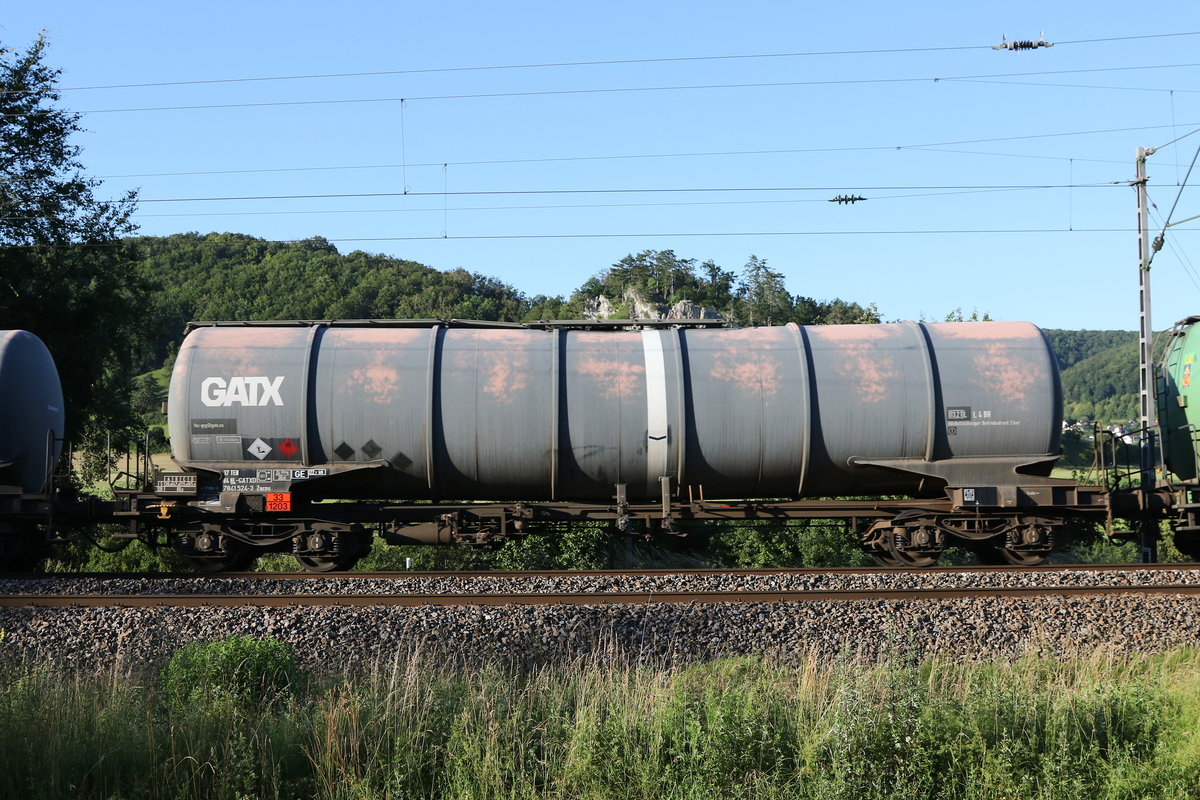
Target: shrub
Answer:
[[240, 669]]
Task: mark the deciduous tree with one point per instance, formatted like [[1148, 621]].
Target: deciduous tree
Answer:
[[65, 272]]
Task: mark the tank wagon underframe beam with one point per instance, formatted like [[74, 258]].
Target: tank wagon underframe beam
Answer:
[[987, 512]]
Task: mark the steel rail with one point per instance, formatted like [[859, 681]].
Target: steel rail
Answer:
[[581, 598], [1188, 566]]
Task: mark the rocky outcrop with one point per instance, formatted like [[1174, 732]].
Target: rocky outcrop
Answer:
[[633, 305]]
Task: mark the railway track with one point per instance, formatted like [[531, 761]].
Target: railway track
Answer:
[[1181, 567], [599, 587], [196, 600]]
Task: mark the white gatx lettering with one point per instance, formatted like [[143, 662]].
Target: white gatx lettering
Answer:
[[212, 392], [270, 391], [244, 391]]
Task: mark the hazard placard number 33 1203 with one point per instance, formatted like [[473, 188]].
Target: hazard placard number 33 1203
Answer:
[[279, 501]]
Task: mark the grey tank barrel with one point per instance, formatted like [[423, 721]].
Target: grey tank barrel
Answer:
[[31, 412], [436, 411]]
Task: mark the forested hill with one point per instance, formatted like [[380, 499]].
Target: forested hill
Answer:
[[233, 276], [1099, 374]]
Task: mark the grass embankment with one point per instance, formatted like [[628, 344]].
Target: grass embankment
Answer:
[[1097, 728]]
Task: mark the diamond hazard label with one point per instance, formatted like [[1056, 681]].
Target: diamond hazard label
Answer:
[[288, 448], [259, 449]]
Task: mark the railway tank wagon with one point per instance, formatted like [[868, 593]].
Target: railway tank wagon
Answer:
[[268, 418], [1178, 394], [31, 430]]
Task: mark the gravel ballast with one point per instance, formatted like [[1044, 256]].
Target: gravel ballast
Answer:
[[333, 638], [590, 582]]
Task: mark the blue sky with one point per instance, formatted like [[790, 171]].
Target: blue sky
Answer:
[[542, 176]]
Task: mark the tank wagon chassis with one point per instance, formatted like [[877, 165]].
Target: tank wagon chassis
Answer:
[[308, 437], [311, 437], [1003, 524]]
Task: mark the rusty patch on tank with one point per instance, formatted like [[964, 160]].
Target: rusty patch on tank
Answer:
[[615, 379], [500, 362], [377, 380], [1004, 374], [746, 357], [856, 355], [505, 376], [750, 370], [872, 372]]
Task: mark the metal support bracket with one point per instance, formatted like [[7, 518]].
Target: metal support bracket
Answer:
[[668, 518], [622, 521]]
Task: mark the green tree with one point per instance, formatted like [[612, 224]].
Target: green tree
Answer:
[[763, 298], [957, 316], [65, 272], [841, 312], [662, 278]]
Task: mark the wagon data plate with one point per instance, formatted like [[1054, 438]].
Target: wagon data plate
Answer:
[[266, 480]]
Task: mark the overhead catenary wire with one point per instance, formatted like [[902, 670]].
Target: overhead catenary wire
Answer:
[[1074, 86], [1180, 139], [592, 91], [643, 190], [606, 62], [554, 207], [693, 234], [1158, 241], [926, 146]]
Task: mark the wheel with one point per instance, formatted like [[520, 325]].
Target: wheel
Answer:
[[1005, 555], [357, 544], [1019, 558], [1188, 543], [1006, 549], [330, 564], [880, 542], [19, 552], [907, 558], [240, 558], [918, 560], [884, 559]]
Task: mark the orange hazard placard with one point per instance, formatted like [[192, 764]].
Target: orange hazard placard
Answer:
[[279, 501]]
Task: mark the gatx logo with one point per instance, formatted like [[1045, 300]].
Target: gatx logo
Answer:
[[253, 391]]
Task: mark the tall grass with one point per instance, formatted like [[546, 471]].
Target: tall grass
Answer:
[[1096, 727]]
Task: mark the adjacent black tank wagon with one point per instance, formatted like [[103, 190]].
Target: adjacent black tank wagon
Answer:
[[31, 408]]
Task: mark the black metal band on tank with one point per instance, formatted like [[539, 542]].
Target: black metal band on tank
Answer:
[[435, 334]]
